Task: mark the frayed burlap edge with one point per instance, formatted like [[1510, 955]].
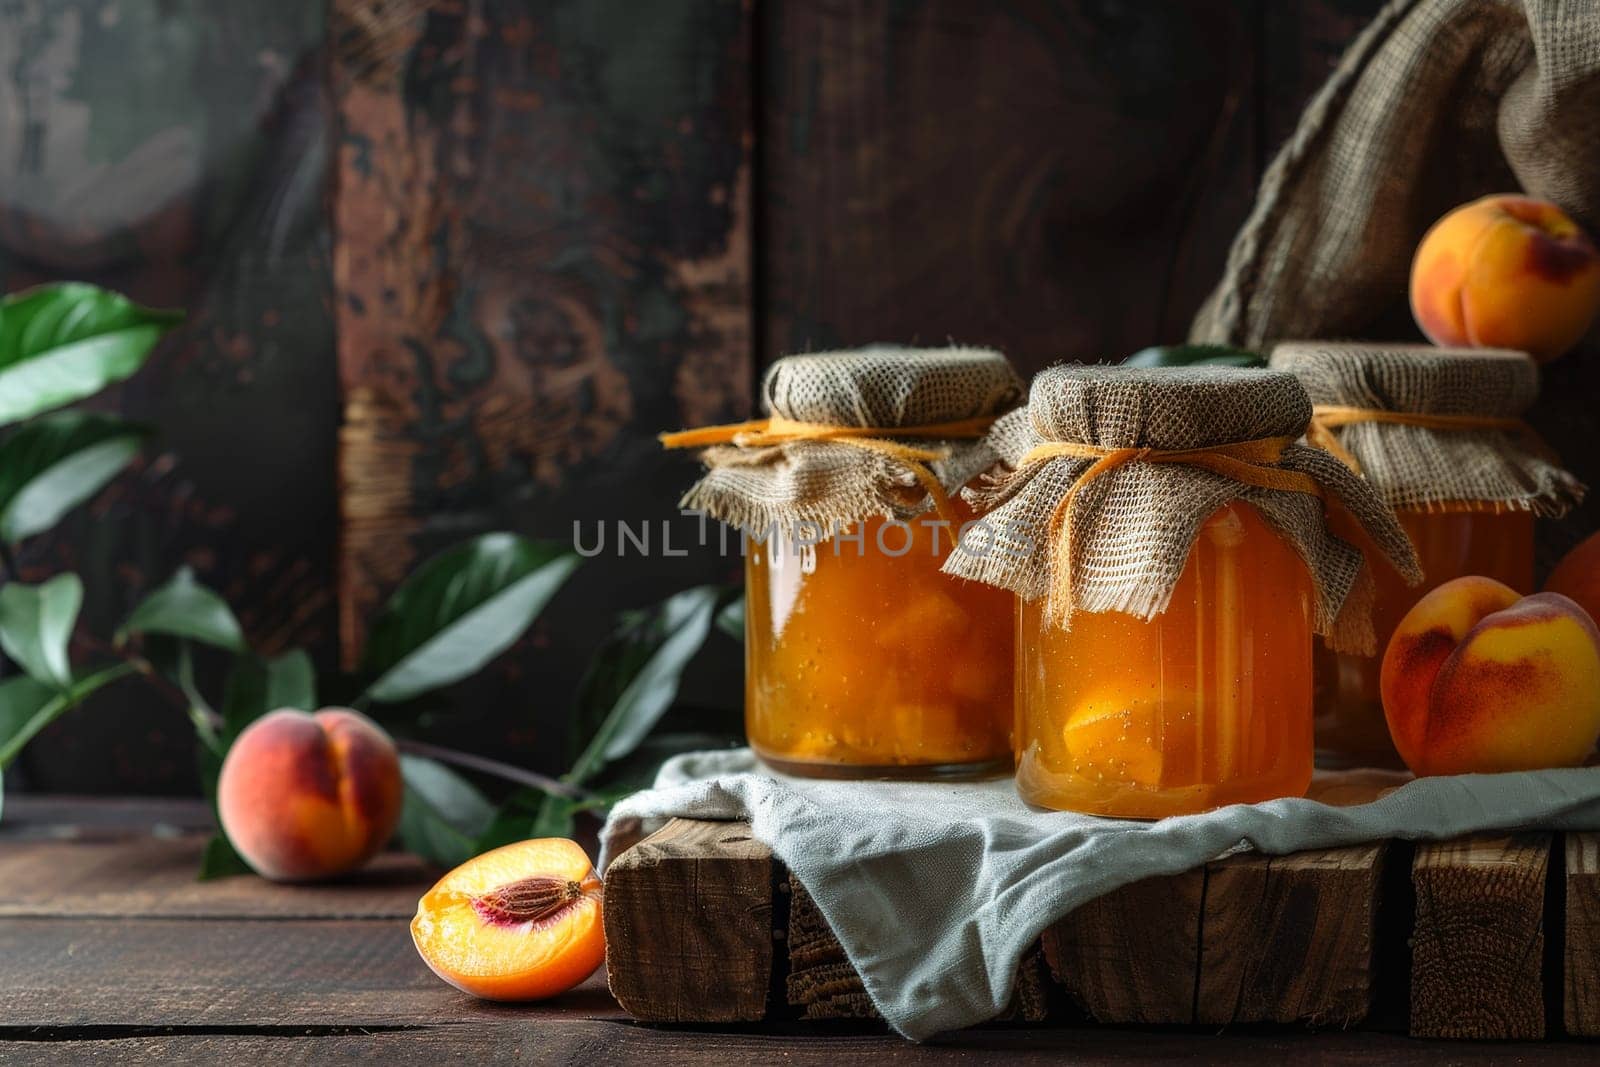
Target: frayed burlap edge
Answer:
[[826, 485], [829, 484], [1012, 548], [1417, 468], [1521, 479]]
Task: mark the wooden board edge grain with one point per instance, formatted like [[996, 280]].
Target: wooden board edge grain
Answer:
[[1581, 950], [1130, 956], [822, 983], [1478, 940], [1248, 938], [1288, 939], [688, 919]]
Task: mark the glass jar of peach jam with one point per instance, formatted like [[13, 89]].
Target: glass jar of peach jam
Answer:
[[1208, 703], [1438, 433], [1350, 724], [863, 660], [1168, 537]]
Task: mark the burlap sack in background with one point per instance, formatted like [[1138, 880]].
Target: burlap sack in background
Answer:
[[1419, 468], [1438, 102], [1132, 528], [833, 484]]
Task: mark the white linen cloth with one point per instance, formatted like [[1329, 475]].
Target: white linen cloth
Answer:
[[935, 890]]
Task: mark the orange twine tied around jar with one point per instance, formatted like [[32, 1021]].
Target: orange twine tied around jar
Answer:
[[1325, 418], [777, 430], [1251, 462]]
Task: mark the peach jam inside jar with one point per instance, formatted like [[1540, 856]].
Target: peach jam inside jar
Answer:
[[1206, 704], [863, 660]]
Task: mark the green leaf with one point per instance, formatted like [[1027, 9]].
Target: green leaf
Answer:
[[443, 815], [26, 707], [528, 814], [185, 608], [557, 818], [634, 677], [255, 686], [22, 704], [219, 860], [52, 465], [460, 610], [62, 342], [1194, 355], [513, 821], [173, 658], [730, 620], [643, 765], [36, 622], [292, 681]]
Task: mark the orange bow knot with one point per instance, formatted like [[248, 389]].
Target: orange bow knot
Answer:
[[1326, 418]]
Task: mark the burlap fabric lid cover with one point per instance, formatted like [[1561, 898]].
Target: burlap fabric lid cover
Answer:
[[833, 483], [1423, 468], [1131, 528]]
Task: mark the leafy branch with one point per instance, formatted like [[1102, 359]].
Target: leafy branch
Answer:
[[446, 621]]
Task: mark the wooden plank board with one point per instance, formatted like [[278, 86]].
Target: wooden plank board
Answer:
[[542, 259], [530, 1035], [306, 987], [69, 818], [1290, 938], [689, 924], [1581, 951], [1131, 956], [1301, 46], [156, 877], [910, 196], [1245, 939], [69, 972], [1478, 944]]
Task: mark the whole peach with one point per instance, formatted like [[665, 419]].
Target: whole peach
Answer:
[[1578, 575], [1478, 679], [1506, 271], [303, 797]]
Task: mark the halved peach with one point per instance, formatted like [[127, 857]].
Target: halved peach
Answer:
[[521, 922]]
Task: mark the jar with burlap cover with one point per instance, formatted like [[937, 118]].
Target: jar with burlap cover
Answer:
[[1110, 472], [874, 432], [1432, 429]]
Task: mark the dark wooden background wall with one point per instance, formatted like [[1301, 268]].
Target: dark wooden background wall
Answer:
[[452, 263]]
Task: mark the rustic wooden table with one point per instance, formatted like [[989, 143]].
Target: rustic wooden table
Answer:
[[111, 951]]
